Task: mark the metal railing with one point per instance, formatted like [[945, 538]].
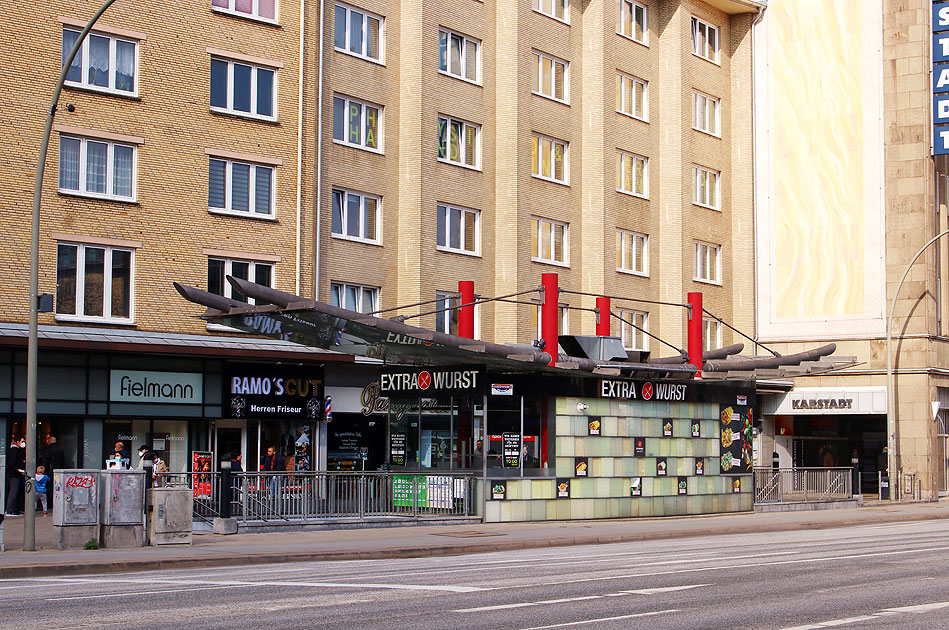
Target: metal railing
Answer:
[[785, 485], [294, 497]]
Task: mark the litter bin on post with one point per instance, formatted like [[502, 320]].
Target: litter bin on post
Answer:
[[168, 516], [884, 487], [75, 507], [122, 508]]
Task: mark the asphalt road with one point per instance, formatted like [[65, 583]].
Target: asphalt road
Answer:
[[881, 576]]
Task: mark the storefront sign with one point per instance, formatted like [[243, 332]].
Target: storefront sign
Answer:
[[736, 439], [182, 388], [273, 391], [511, 443], [563, 488], [636, 487], [397, 449], [498, 490], [594, 425], [497, 389], [581, 466], [662, 467], [645, 390], [827, 401], [940, 73], [430, 381]]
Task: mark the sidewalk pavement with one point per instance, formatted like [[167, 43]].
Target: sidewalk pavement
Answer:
[[209, 550]]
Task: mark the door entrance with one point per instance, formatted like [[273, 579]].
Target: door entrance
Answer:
[[230, 440]]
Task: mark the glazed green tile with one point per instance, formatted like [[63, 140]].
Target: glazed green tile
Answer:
[[563, 509], [601, 508], [519, 510], [619, 487], [542, 488], [564, 466], [714, 465], [601, 488], [537, 511], [609, 425], [564, 446], [580, 447], [652, 447], [665, 445], [582, 487], [626, 446], [514, 490]]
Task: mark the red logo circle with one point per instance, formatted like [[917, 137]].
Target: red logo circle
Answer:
[[647, 391], [424, 380]]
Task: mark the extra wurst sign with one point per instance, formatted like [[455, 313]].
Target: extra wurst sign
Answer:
[[394, 382]]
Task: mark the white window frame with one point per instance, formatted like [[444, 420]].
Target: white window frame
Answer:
[[83, 57], [251, 275], [364, 112], [443, 319], [538, 226], [711, 333], [462, 142], [341, 287], [537, 87], [706, 187], [626, 17], [365, 33], [110, 169], [79, 316], [229, 108], [706, 52], [538, 6], [626, 240], [711, 121], [251, 212], [708, 257], [622, 102], [344, 216], [466, 41], [563, 315], [446, 247], [253, 15], [640, 340], [537, 140], [621, 176]]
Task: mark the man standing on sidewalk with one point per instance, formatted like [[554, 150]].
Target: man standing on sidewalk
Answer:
[[16, 460]]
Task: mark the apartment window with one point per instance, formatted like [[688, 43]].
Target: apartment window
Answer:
[[359, 33], [459, 142], [458, 229], [705, 40], [631, 174], [550, 77], [706, 187], [240, 188], [705, 113], [354, 297], [243, 89], [260, 9], [446, 320], [97, 168], [633, 330], [94, 283], [556, 9], [708, 263], [458, 56], [548, 241], [356, 124], [356, 216], [537, 316], [632, 21], [711, 333], [631, 256], [104, 63], [631, 96], [549, 159], [219, 268]]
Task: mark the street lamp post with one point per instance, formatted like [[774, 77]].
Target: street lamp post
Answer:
[[29, 514], [892, 462]]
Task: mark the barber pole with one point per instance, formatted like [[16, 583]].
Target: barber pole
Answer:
[[329, 408]]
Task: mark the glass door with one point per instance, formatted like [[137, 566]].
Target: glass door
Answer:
[[230, 440]]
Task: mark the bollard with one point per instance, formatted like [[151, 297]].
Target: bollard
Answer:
[[226, 489]]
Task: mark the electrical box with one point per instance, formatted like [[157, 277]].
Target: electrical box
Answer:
[[75, 497], [122, 499]]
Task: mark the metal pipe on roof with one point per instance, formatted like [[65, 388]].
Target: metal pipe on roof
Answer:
[[708, 355], [770, 362]]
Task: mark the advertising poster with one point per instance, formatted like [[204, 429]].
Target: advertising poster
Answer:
[[563, 488], [639, 447], [409, 491], [696, 428], [202, 466], [511, 443], [397, 449], [661, 467], [636, 487], [581, 466], [498, 490], [593, 427], [699, 466], [736, 441], [736, 485], [667, 427], [683, 485]]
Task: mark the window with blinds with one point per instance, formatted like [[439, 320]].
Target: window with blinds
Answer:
[[459, 142], [631, 96], [240, 188], [631, 254], [632, 174], [459, 55], [356, 216], [358, 33], [548, 241], [550, 77], [458, 229], [549, 159]]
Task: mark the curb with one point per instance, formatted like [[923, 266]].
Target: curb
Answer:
[[231, 560]]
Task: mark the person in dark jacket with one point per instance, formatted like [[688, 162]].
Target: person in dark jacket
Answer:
[[273, 462], [54, 459], [16, 460]]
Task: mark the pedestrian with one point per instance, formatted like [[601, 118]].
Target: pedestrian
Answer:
[[236, 462], [121, 451], [16, 461], [159, 466], [53, 459], [41, 481], [145, 454], [273, 462]]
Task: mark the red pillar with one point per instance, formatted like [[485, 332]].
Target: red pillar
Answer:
[[603, 323], [466, 314], [549, 324], [695, 331]]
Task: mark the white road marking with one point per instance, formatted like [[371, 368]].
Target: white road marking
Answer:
[[580, 623], [314, 605], [665, 589], [645, 591], [124, 594], [916, 610]]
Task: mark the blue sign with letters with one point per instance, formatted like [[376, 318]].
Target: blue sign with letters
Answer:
[[940, 16], [940, 55]]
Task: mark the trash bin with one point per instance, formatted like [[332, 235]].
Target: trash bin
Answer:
[[122, 508], [884, 487], [75, 507]]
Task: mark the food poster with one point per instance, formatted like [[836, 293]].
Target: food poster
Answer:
[[511, 443], [736, 484], [498, 490], [636, 487], [661, 467], [696, 428], [563, 488], [594, 425], [736, 441], [581, 466], [683, 485], [667, 427], [699, 466], [397, 449], [639, 447]]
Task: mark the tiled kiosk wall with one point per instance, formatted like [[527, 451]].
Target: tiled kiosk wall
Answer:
[[605, 492]]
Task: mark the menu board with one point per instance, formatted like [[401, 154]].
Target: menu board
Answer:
[[594, 425], [581, 466], [736, 442], [667, 427], [661, 467], [397, 449], [511, 443], [563, 488], [639, 447]]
